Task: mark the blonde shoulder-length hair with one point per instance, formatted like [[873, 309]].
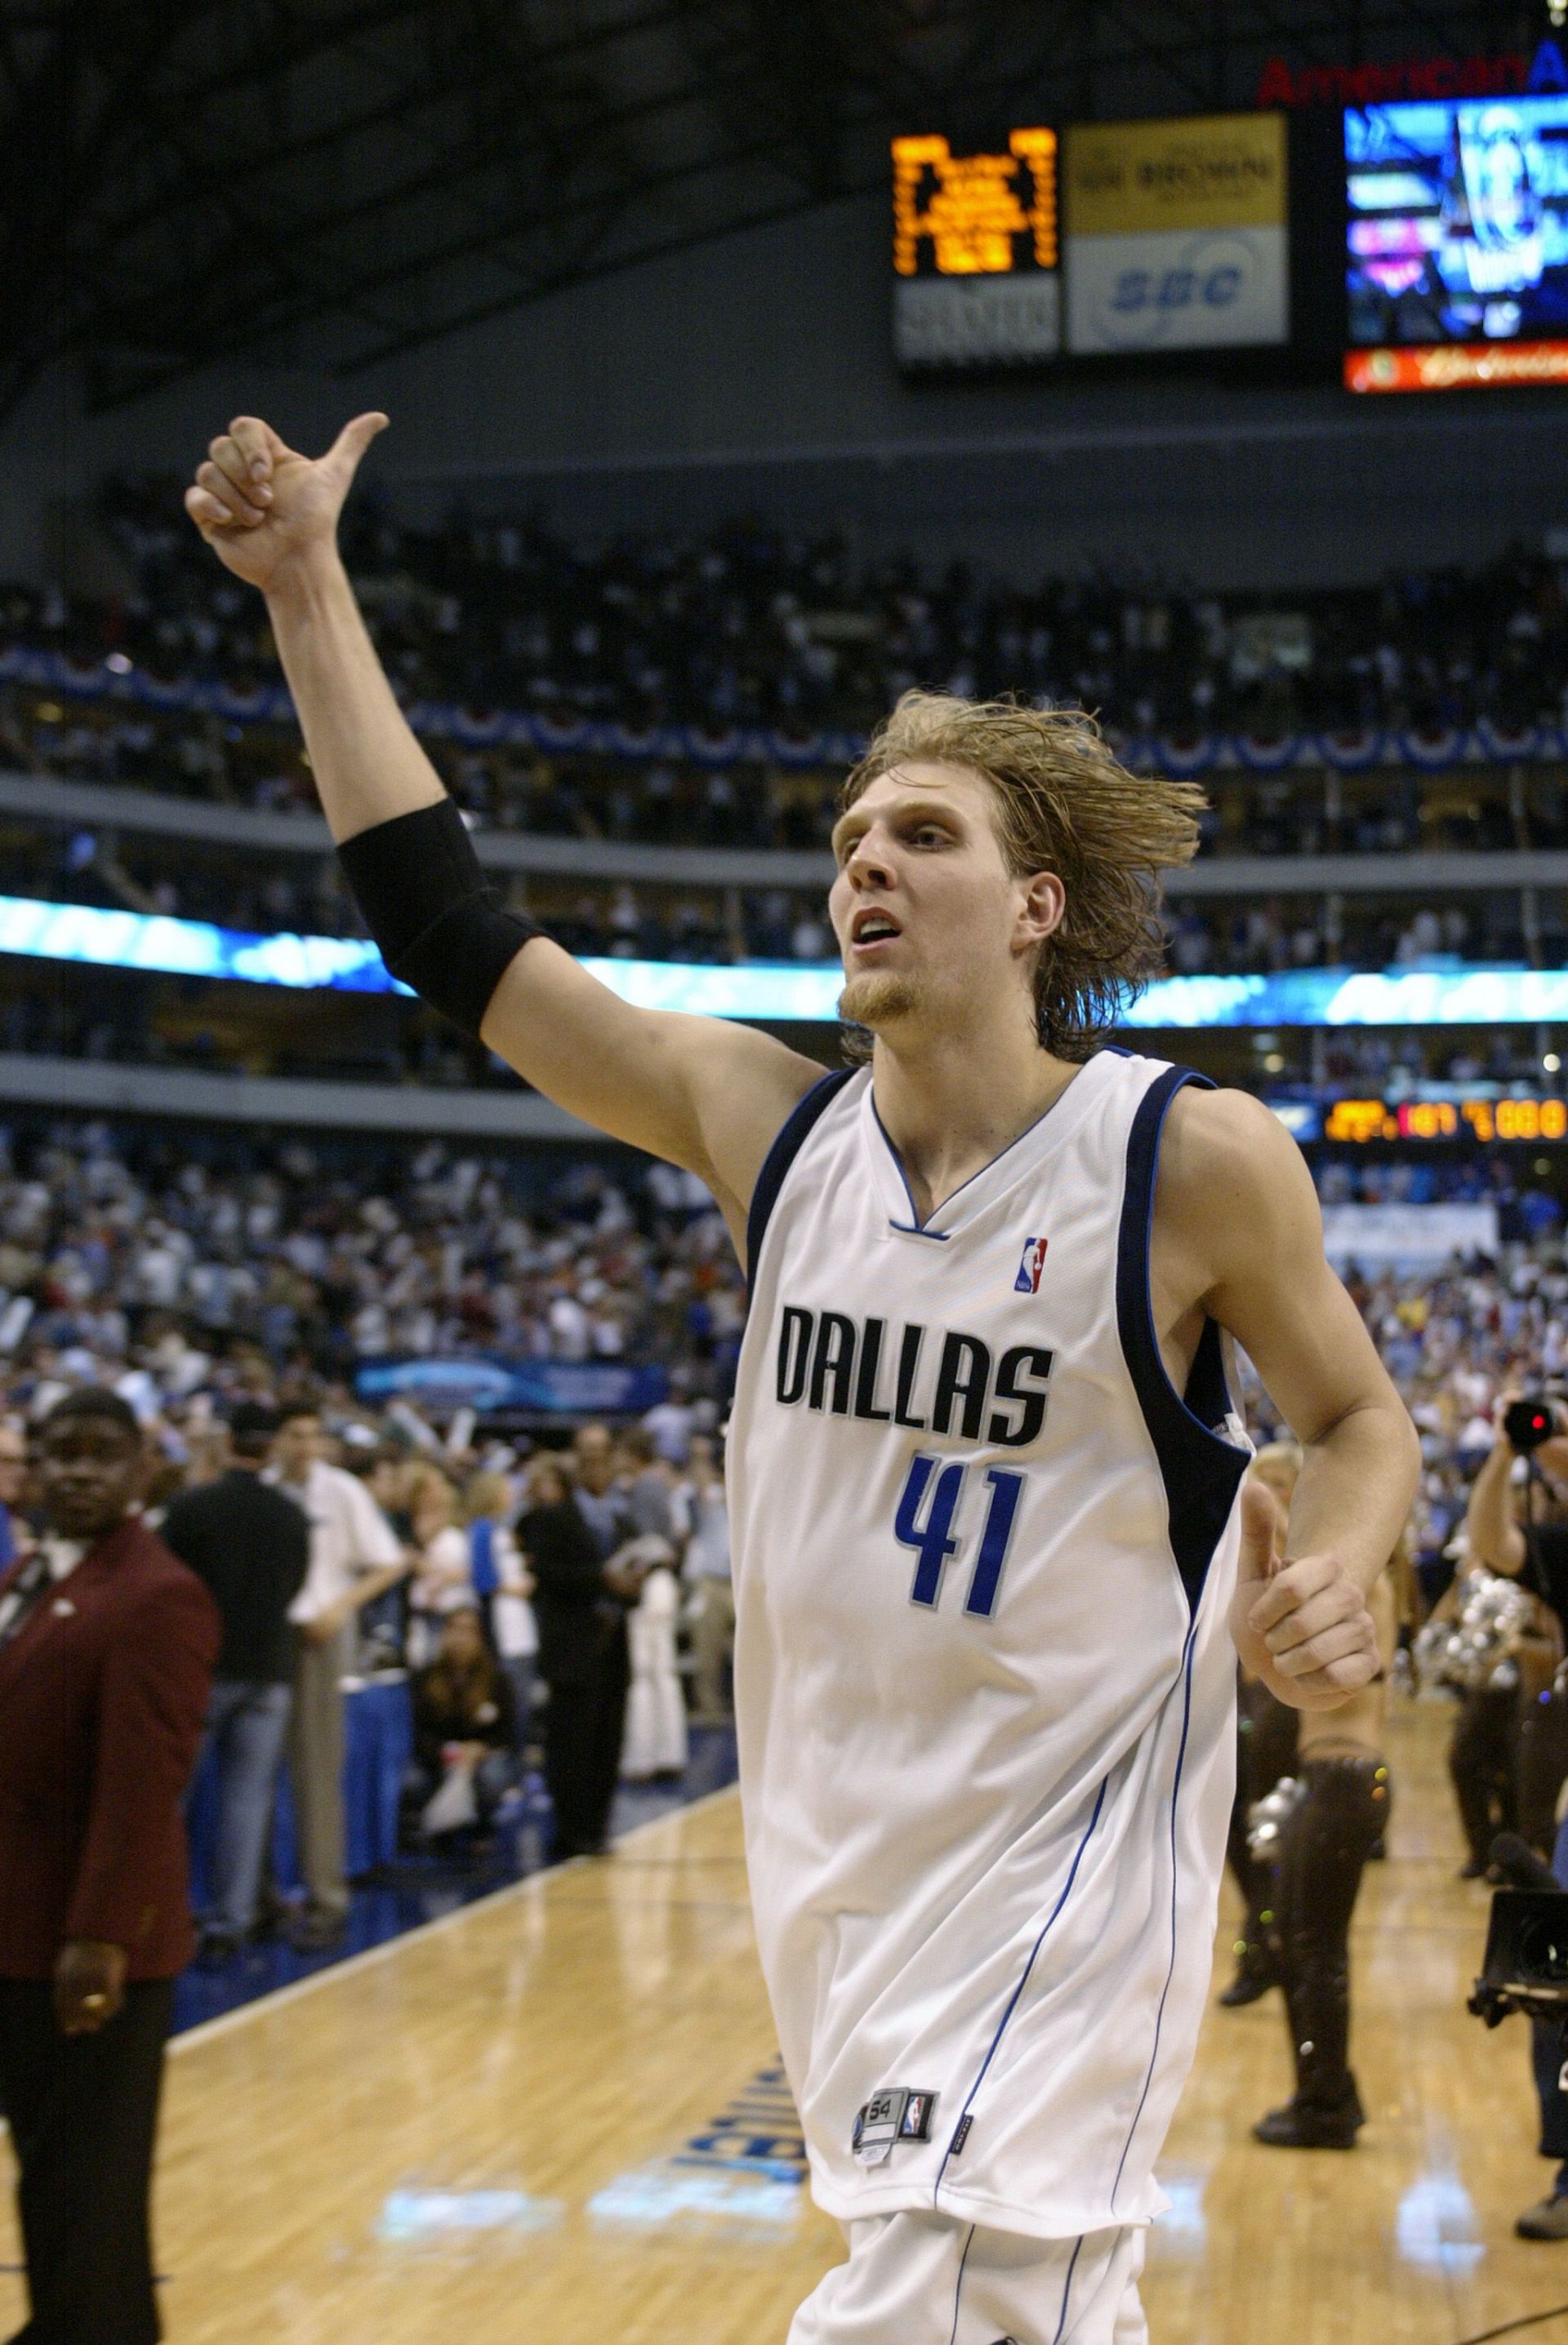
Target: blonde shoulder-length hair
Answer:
[[1062, 804]]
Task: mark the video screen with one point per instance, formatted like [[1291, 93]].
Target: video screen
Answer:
[[1458, 221]]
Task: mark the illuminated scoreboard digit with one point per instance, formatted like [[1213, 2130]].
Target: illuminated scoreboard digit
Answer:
[[1363, 1120], [975, 253]]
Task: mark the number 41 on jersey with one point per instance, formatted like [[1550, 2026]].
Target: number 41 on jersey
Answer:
[[923, 1522]]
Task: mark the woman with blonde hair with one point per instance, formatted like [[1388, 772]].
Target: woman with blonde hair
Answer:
[[502, 1584], [441, 1580]]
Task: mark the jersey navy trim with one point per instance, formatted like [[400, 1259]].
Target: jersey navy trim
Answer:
[[912, 1228], [1170, 1966], [1200, 1470], [1024, 1981], [787, 1142], [1068, 2289], [959, 2291]]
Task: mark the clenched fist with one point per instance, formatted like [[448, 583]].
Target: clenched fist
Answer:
[[264, 508], [1304, 1628]]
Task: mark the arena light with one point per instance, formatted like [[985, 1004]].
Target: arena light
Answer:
[[782, 992], [89, 934]]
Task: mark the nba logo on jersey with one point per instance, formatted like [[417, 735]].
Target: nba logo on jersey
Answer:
[[1027, 1282]]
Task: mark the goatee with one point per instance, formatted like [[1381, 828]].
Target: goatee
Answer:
[[878, 998]]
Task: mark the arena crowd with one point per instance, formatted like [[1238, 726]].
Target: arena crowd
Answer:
[[749, 624]]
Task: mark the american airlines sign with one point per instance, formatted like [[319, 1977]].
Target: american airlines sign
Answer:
[[1503, 73]]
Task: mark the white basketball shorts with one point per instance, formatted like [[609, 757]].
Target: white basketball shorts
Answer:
[[925, 2279]]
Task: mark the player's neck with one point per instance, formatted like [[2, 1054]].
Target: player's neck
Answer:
[[952, 1105]]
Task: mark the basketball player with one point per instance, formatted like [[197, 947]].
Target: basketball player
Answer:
[[984, 1467]]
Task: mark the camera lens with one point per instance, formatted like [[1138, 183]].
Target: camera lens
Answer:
[[1542, 1957], [1528, 1423]]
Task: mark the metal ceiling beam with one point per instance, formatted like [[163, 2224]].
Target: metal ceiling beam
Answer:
[[101, 100]]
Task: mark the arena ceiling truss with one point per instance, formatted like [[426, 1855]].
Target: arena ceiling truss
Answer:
[[328, 182]]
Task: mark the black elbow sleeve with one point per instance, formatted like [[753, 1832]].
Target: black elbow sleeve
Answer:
[[426, 901]]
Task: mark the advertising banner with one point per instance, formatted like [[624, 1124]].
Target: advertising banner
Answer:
[[484, 1381], [1176, 234], [1405, 1236]]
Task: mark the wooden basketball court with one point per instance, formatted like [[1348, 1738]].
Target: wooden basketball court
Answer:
[[556, 2117]]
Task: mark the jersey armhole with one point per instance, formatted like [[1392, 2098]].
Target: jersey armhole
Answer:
[[788, 1141], [1201, 1468]]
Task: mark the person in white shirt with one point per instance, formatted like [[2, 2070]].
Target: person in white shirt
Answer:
[[443, 1576], [702, 1520], [669, 1422], [354, 1555]]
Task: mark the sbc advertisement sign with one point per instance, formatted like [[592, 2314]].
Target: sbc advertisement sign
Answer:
[[1176, 234]]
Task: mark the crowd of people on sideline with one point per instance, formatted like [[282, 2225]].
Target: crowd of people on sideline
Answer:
[[1479, 1592], [565, 1606]]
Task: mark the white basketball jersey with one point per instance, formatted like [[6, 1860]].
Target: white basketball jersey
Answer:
[[985, 1686]]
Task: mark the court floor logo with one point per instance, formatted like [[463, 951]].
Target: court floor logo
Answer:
[[747, 2166]]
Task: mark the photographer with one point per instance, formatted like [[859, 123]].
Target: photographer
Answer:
[[1517, 1524]]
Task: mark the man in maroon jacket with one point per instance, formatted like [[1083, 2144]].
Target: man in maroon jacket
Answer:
[[106, 1654]]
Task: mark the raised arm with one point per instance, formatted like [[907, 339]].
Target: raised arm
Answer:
[[706, 1094], [1491, 1525], [1238, 1237]]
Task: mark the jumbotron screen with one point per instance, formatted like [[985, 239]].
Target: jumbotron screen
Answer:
[[1457, 267]]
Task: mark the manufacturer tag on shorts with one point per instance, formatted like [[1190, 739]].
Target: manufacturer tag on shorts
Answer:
[[900, 2114]]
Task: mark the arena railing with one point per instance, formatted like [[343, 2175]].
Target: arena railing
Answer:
[[109, 1087], [102, 806]]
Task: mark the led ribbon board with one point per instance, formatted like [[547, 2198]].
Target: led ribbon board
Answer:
[[975, 253], [781, 992]]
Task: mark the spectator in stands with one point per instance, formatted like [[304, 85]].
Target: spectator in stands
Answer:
[[465, 1729], [250, 1546], [13, 1533], [579, 1603], [443, 1575], [354, 1555], [654, 1749], [502, 1587], [670, 1421], [649, 1481], [703, 1522]]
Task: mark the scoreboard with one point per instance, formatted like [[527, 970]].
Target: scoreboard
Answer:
[[975, 253], [1363, 1120]]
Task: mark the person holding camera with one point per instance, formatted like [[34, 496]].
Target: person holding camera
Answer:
[[1517, 1525], [1510, 1750]]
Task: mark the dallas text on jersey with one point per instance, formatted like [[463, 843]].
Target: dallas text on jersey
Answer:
[[846, 1368]]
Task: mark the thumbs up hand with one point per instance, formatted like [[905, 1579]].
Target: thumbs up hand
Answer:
[[263, 506], [1304, 1628]]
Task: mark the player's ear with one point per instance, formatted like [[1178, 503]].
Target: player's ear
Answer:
[[1043, 905]]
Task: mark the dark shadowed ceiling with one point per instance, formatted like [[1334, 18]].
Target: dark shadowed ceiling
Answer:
[[329, 180]]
